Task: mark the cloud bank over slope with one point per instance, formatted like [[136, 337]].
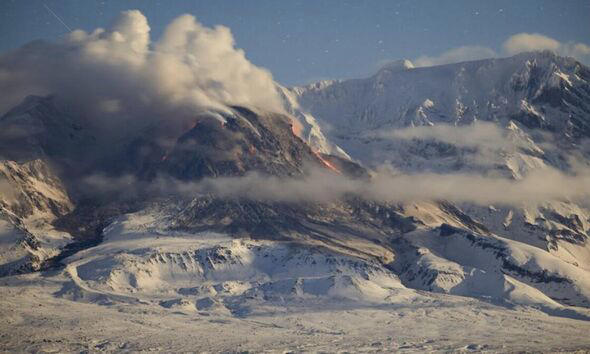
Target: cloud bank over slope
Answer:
[[322, 186]]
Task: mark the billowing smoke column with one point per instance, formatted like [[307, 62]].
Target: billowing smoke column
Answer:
[[119, 74]]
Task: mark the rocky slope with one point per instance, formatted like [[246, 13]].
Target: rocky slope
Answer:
[[32, 198]]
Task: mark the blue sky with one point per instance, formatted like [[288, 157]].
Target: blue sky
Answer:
[[302, 41]]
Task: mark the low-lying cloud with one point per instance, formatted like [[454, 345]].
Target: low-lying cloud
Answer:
[[322, 186], [538, 187], [119, 72], [479, 144], [477, 135]]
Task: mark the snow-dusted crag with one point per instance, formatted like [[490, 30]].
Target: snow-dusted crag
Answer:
[[38, 140], [32, 199]]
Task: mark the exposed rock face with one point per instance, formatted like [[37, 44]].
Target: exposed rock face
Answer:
[[32, 198], [247, 141]]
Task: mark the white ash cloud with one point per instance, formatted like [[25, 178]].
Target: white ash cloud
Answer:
[[527, 42], [119, 72]]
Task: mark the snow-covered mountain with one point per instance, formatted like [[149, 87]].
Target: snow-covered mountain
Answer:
[[535, 113], [528, 93], [537, 90], [538, 113], [135, 231]]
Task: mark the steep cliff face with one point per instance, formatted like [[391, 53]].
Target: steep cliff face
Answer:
[[32, 199]]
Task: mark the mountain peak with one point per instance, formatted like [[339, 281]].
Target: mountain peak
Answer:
[[547, 57]]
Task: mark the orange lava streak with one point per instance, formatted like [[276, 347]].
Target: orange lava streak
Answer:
[[327, 163], [296, 127]]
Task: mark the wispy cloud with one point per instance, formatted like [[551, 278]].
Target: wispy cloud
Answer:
[[517, 43], [525, 42], [455, 55], [321, 186], [479, 134]]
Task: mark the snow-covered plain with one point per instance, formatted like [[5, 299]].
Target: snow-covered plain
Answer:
[[145, 288], [34, 320]]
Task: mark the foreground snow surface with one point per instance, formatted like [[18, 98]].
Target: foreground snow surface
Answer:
[[143, 289], [34, 320]]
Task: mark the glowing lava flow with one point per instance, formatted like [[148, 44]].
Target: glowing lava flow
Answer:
[[327, 163], [296, 127]]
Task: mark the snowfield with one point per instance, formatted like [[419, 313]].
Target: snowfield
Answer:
[[36, 321], [148, 289]]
